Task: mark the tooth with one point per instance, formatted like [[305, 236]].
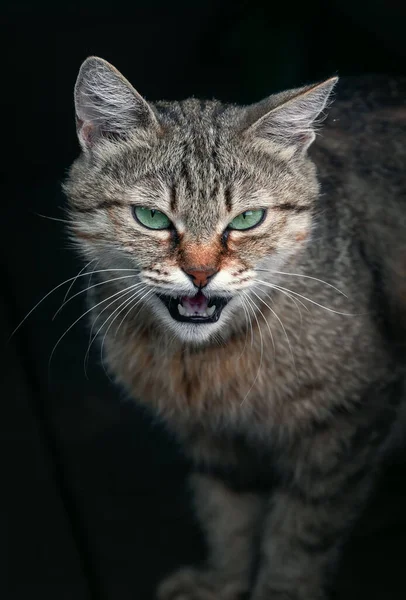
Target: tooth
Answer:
[[182, 310], [211, 310]]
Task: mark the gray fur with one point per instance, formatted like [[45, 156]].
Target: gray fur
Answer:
[[288, 402]]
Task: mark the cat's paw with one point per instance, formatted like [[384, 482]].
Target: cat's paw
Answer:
[[193, 584]]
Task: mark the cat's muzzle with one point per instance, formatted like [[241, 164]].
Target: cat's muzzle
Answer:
[[196, 309]]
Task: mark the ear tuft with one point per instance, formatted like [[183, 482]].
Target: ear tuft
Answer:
[[292, 117], [106, 104]]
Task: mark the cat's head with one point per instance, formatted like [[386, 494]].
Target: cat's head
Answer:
[[202, 199]]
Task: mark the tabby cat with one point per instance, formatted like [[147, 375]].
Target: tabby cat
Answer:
[[249, 287]]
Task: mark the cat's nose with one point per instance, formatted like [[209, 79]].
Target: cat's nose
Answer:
[[200, 276]]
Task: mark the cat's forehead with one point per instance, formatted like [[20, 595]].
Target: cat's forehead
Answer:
[[197, 138], [202, 129], [196, 161], [197, 176], [194, 112], [199, 166], [195, 189]]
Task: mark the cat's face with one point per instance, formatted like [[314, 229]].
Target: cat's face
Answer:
[[198, 198]]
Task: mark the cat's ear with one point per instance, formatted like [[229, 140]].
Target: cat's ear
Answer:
[[106, 104], [290, 118]]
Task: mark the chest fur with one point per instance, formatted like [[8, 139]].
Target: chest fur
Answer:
[[292, 377]]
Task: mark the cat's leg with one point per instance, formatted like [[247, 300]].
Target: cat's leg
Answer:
[[230, 521], [299, 546], [327, 481]]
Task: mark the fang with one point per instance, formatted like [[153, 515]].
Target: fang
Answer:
[[182, 310]]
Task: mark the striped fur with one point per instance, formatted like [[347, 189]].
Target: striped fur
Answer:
[[287, 404]]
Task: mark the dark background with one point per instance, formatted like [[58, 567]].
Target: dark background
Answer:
[[92, 498]]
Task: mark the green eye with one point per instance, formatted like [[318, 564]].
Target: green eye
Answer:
[[151, 218], [247, 219]]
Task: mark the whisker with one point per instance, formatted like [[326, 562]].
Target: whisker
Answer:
[[52, 218], [90, 288], [267, 324], [120, 308], [295, 303], [282, 289], [294, 300], [57, 288], [262, 347], [91, 277], [132, 287], [124, 304], [93, 337], [281, 324], [74, 281], [248, 322], [90, 334], [125, 316], [101, 349], [305, 276], [252, 329], [78, 319]]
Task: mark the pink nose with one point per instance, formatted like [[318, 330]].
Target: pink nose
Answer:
[[200, 275]]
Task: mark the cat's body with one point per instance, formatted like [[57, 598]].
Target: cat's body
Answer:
[[287, 408]]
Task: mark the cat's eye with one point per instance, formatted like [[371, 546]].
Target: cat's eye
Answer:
[[151, 218], [247, 220]]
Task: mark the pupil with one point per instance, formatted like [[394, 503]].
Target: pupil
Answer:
[[153, 213]]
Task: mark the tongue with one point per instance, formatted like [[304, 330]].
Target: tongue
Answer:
[[196, 304]]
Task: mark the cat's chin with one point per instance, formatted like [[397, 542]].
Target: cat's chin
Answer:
[[197, 335]]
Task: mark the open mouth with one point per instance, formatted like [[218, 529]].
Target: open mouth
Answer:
[[194, 309]]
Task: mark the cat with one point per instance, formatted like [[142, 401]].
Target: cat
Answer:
[[250, 289]]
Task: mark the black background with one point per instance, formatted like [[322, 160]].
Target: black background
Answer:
[[92, 495]]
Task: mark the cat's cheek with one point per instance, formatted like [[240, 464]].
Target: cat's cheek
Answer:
[[239, 250], [244, 254]]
